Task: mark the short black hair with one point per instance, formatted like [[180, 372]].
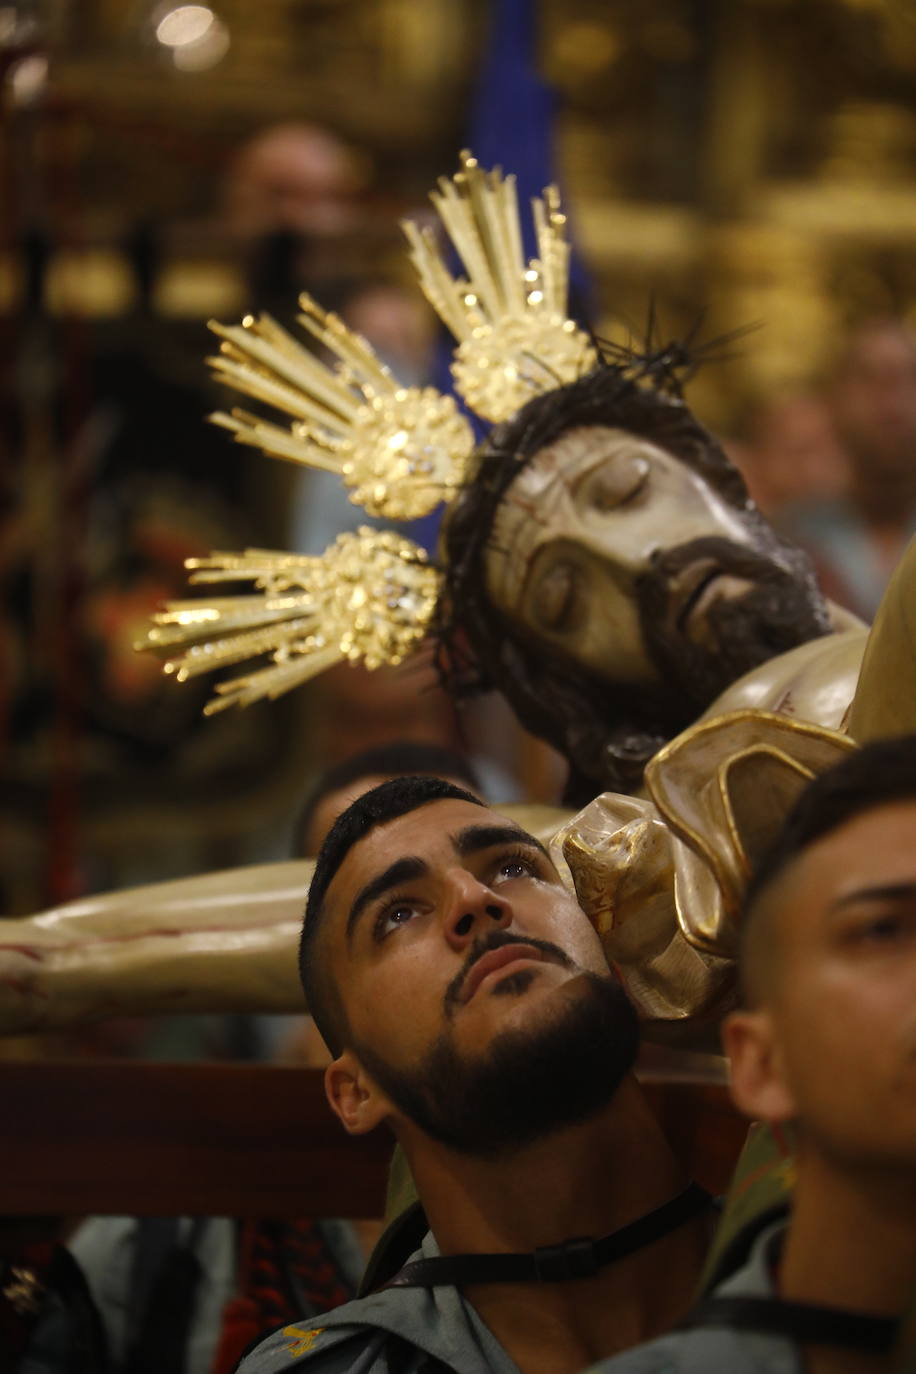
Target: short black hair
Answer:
[[399, 758], [878, 774], [384, 803]]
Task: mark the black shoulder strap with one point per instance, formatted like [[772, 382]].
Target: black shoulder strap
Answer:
[[572, 1259], [806, 1323], [401, 1237]]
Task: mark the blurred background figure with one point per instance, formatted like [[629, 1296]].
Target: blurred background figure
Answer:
[[789, 453], [293, 204], [299, 177], [856, 536], [342, 785]]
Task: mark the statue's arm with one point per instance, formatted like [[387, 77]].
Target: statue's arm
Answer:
[[223, 941]]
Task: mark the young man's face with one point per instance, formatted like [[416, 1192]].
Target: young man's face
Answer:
[[834, 1044], [451, 936]]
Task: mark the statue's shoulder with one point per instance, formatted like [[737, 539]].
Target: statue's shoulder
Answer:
[[813, 682]]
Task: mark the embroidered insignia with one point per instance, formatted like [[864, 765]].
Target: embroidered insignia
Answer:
[[302, 1341]]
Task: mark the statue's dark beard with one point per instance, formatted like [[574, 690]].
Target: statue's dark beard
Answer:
[[533, 1080], [782, 609]]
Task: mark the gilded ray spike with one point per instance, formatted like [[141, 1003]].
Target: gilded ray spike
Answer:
[[400, 450], [507, 315], [369, 599]]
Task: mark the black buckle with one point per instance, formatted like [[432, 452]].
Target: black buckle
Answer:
[[574, 1259]]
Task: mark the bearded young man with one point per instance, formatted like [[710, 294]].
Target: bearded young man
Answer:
[[469, 1006]]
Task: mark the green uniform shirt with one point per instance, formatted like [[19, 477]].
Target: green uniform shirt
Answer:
[[394, 1331]]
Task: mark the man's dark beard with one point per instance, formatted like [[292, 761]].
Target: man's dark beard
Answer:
[[531, 1082], [782, 609]]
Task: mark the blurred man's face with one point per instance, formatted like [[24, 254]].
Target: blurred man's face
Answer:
[[610, 552], [293, 177], [874, 401], [473, 984], [839, 1023], [793, 453]]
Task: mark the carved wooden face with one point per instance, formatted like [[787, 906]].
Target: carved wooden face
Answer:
[[587, 520]]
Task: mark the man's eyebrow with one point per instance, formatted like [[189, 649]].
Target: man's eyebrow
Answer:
[[477, 837], [882, 892], [401, 871]]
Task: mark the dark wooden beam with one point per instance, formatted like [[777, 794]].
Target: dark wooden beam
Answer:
[[238, 1140], [180, 1139]]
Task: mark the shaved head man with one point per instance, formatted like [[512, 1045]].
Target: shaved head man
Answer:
[[824, 1048]]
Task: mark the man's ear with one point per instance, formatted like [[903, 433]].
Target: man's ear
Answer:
[[756, 1072], [353, 1095]]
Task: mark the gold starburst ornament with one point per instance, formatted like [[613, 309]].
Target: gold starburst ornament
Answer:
[[368, 599], [509, 316], [399, 450]]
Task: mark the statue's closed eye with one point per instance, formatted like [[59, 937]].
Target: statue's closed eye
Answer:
[[615, 483], [555, 598]]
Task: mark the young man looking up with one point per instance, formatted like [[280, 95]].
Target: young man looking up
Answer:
[[468, 1004], [826, 1040]]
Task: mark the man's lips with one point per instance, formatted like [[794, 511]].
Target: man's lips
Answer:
[[497, 959]]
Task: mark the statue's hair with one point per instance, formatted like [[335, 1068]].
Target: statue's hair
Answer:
[[606, 733]]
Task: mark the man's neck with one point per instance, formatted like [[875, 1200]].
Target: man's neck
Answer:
[[852, 1240], [851, 1244], [587, 1180]]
